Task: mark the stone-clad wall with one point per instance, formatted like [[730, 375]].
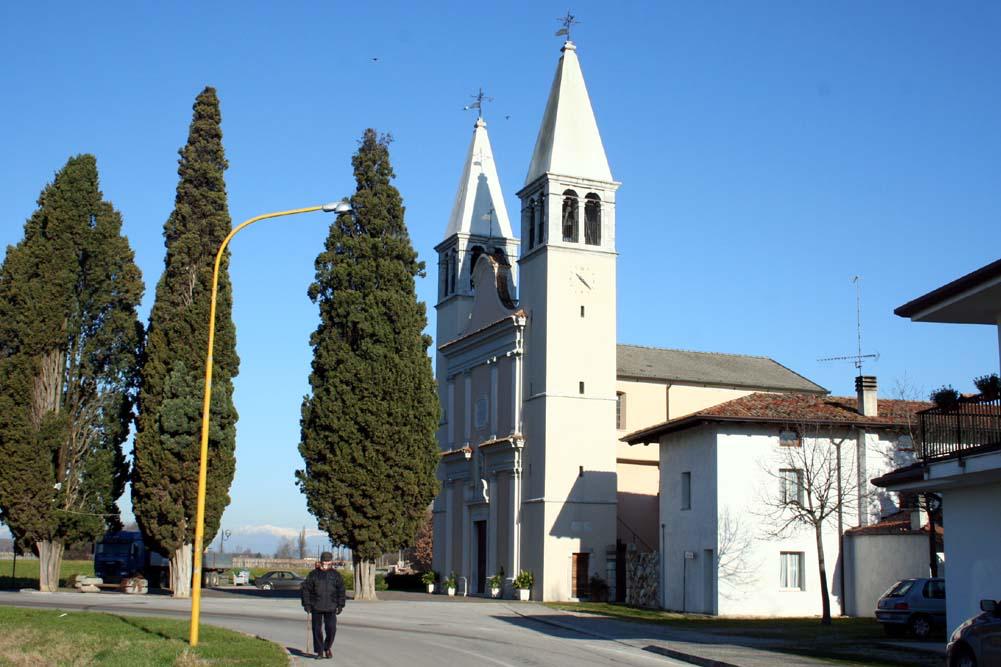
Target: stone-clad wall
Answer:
[[642, 575]]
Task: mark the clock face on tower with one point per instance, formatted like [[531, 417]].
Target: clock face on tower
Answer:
[[582, 280]]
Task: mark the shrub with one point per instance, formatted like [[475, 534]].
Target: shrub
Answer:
[[945, 397], [406, 582], [524, 580], [599, 589]]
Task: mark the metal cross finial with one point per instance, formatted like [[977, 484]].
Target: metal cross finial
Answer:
[[479, 98], [568, 22]]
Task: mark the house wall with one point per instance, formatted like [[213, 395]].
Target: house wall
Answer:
[[683, 585], [873, 563], [734, 475], [973, 549]]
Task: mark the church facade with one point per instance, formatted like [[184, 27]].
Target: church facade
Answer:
[[535, 392]]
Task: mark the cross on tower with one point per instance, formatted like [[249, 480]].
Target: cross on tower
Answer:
[[568, 22], [479, 98]]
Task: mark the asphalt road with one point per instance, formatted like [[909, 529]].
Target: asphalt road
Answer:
[[415, 633]]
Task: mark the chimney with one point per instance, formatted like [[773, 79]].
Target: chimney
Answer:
[[865, 389]]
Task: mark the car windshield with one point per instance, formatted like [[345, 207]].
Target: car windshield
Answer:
[[899, 589]]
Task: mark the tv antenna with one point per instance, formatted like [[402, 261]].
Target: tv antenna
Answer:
[[858, 357], [568, 21], [479, 98]]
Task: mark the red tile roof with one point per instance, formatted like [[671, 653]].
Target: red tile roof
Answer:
[[789, 409], [898, 523]]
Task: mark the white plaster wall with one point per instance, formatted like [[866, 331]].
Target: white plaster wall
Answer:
[[682, 583], [876, 562], [972, 548]]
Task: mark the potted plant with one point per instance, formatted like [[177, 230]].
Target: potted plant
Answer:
[[450, 584], [496, 582], [429, 578], [523, 582], [989, 386]]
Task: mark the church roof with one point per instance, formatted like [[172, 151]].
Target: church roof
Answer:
[[479, 204], [710, 368], [568, 141]]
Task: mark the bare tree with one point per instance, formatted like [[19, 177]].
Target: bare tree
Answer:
[[301, 543], [733, 553], [286, 548], [814, 485]]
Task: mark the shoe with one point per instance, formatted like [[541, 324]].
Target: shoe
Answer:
[[319, 655], [328, 654]]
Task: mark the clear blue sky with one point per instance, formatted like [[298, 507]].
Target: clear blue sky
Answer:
[[768, 153]]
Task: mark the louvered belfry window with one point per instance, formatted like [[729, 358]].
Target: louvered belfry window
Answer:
[[592, 219], [570, 216]]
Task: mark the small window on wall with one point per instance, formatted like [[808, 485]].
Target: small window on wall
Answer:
[[905, 443], [791, 570], [792, 486], [620, 410], [789, 438], [686, 490]]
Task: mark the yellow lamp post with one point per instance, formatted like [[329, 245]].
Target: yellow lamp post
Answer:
[[196, 590]]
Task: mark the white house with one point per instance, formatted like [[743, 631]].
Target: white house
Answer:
[[729, 475], [959, 453]]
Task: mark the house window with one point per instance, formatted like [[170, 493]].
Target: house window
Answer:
[[789, 439], [570, 217], [791, 570], [905, 443], [580, 387], [620, 410], [592, 219], [792, 486], [686, 490]]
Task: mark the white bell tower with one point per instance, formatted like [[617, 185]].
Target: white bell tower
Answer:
[[567, 276]]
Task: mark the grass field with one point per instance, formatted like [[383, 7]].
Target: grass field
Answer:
[[42, 637], [851, 640], [26, 573]]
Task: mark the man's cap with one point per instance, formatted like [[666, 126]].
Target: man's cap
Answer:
[[326, 557]]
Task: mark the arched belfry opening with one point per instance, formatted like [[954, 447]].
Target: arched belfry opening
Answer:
[[528, 216], [592, 219], [475, 253], [570, 217]]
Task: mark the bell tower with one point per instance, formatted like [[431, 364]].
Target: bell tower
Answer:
[[567, 272]]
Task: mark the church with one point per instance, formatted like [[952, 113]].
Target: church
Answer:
[[535, 391]]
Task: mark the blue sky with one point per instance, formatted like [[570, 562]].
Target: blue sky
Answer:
[[768, 152]]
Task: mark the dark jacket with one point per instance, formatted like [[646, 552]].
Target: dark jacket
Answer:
[[323, 590]]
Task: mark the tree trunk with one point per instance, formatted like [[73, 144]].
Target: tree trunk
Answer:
[[364, 579], [180, 571], [50, 560], [825, 596]]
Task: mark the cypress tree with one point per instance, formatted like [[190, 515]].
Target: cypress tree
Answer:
[[165, 459], [368, 426], [69, 347]]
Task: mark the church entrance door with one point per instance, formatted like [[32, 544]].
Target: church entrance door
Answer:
[[581, 583], [481, 557]]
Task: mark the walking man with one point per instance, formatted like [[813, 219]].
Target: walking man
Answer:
[[323, 597]]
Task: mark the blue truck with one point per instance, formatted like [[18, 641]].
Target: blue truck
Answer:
[[123, 554]]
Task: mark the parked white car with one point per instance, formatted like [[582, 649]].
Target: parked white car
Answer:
[[241, 578]]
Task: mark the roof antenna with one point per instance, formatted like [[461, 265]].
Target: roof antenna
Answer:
[[479, 98], [858, 356], [568, 22]]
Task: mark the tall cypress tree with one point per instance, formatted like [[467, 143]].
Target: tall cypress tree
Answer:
[[368, 426], [69, 348], [165, 459]]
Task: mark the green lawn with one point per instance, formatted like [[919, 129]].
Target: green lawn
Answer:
[[43, 637], [856, 640], [26, 574]]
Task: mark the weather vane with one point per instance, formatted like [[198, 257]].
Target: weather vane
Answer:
[[479, 98], [568, 22]]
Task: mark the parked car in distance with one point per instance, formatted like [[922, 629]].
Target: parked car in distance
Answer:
[[278, 580], [977, 640], [241, 578], [913, 605]]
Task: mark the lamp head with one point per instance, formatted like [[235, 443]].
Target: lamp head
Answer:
[[342, 206]]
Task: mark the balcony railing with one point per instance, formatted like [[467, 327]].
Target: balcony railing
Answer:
[[973, 424]]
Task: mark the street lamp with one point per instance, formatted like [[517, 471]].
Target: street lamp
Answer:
[[339, 207]]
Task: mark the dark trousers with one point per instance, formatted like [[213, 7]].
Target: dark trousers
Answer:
[[323, 620]]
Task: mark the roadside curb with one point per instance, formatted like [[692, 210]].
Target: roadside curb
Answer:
[[652, 648]]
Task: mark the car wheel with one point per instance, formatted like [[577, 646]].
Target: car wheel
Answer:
[[920, 626], [893, 629], [266, 587], [963, 657]]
